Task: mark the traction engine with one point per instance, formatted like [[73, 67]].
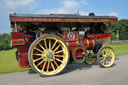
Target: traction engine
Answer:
[[48, 43]]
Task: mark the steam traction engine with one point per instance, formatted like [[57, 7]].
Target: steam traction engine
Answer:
[[47, 43]]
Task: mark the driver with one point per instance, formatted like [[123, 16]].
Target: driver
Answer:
[[101, 28], [32, 31]]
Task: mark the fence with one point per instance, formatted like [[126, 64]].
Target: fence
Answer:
[[108, 41]]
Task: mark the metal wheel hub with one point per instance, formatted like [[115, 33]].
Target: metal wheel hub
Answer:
[[50, 55]]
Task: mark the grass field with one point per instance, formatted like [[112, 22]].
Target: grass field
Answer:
[[8, 62], [120, 49]]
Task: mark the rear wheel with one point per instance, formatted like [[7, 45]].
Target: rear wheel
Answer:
[[106, 56], [48, 55]]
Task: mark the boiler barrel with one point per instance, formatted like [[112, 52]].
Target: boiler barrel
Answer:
[[87, 43]]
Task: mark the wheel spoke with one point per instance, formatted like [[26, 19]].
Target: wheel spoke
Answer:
[[102, 60], [54, 44], [53, 66], [56, 63], [43, 66], [42, 47], [101, 53], [40, 62], [38, 50], [37, 59], [38, 54], [48, 66], [56, 48], [49, 43], [45, 43], [109, 50], [59, 51], [109, 53], [104, 52], [59, 60], [109, 58], [59, 55], [107, 61]]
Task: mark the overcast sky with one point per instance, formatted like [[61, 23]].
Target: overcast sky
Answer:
[[99, 7]]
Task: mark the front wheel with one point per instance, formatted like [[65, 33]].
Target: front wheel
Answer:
[[48, 55], [106, 56]]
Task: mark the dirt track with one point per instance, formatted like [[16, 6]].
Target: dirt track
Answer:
[[75, 74]]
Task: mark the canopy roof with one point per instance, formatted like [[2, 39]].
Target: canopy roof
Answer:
[[60, 18]]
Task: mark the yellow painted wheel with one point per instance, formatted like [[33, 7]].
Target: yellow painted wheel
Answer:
[[48, 55], [90, 59], [106, 56]]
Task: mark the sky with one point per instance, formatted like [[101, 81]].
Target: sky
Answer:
[[117, 8]]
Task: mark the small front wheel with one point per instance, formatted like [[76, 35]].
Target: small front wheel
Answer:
[[106, 56]]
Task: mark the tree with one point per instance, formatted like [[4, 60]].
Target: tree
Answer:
[[5, 40], [122, 26]]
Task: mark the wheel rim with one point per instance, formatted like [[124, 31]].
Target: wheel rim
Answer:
[[49, 55], [107, 57], [90, 59]]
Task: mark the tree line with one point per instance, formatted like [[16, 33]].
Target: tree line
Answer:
[[5, 40], [121, 25]]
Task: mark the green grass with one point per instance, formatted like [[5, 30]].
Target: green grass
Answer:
[[120, 49], [8, 62]]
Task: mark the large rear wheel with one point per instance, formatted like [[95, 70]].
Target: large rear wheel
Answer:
[[48, 55]]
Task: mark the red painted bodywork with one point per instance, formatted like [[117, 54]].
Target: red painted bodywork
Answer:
[[88, 43], [75, 36], [75, 43], [33, 19], [79, 53], [17, 39], [22, 48], [99, 36], [23, 51]]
